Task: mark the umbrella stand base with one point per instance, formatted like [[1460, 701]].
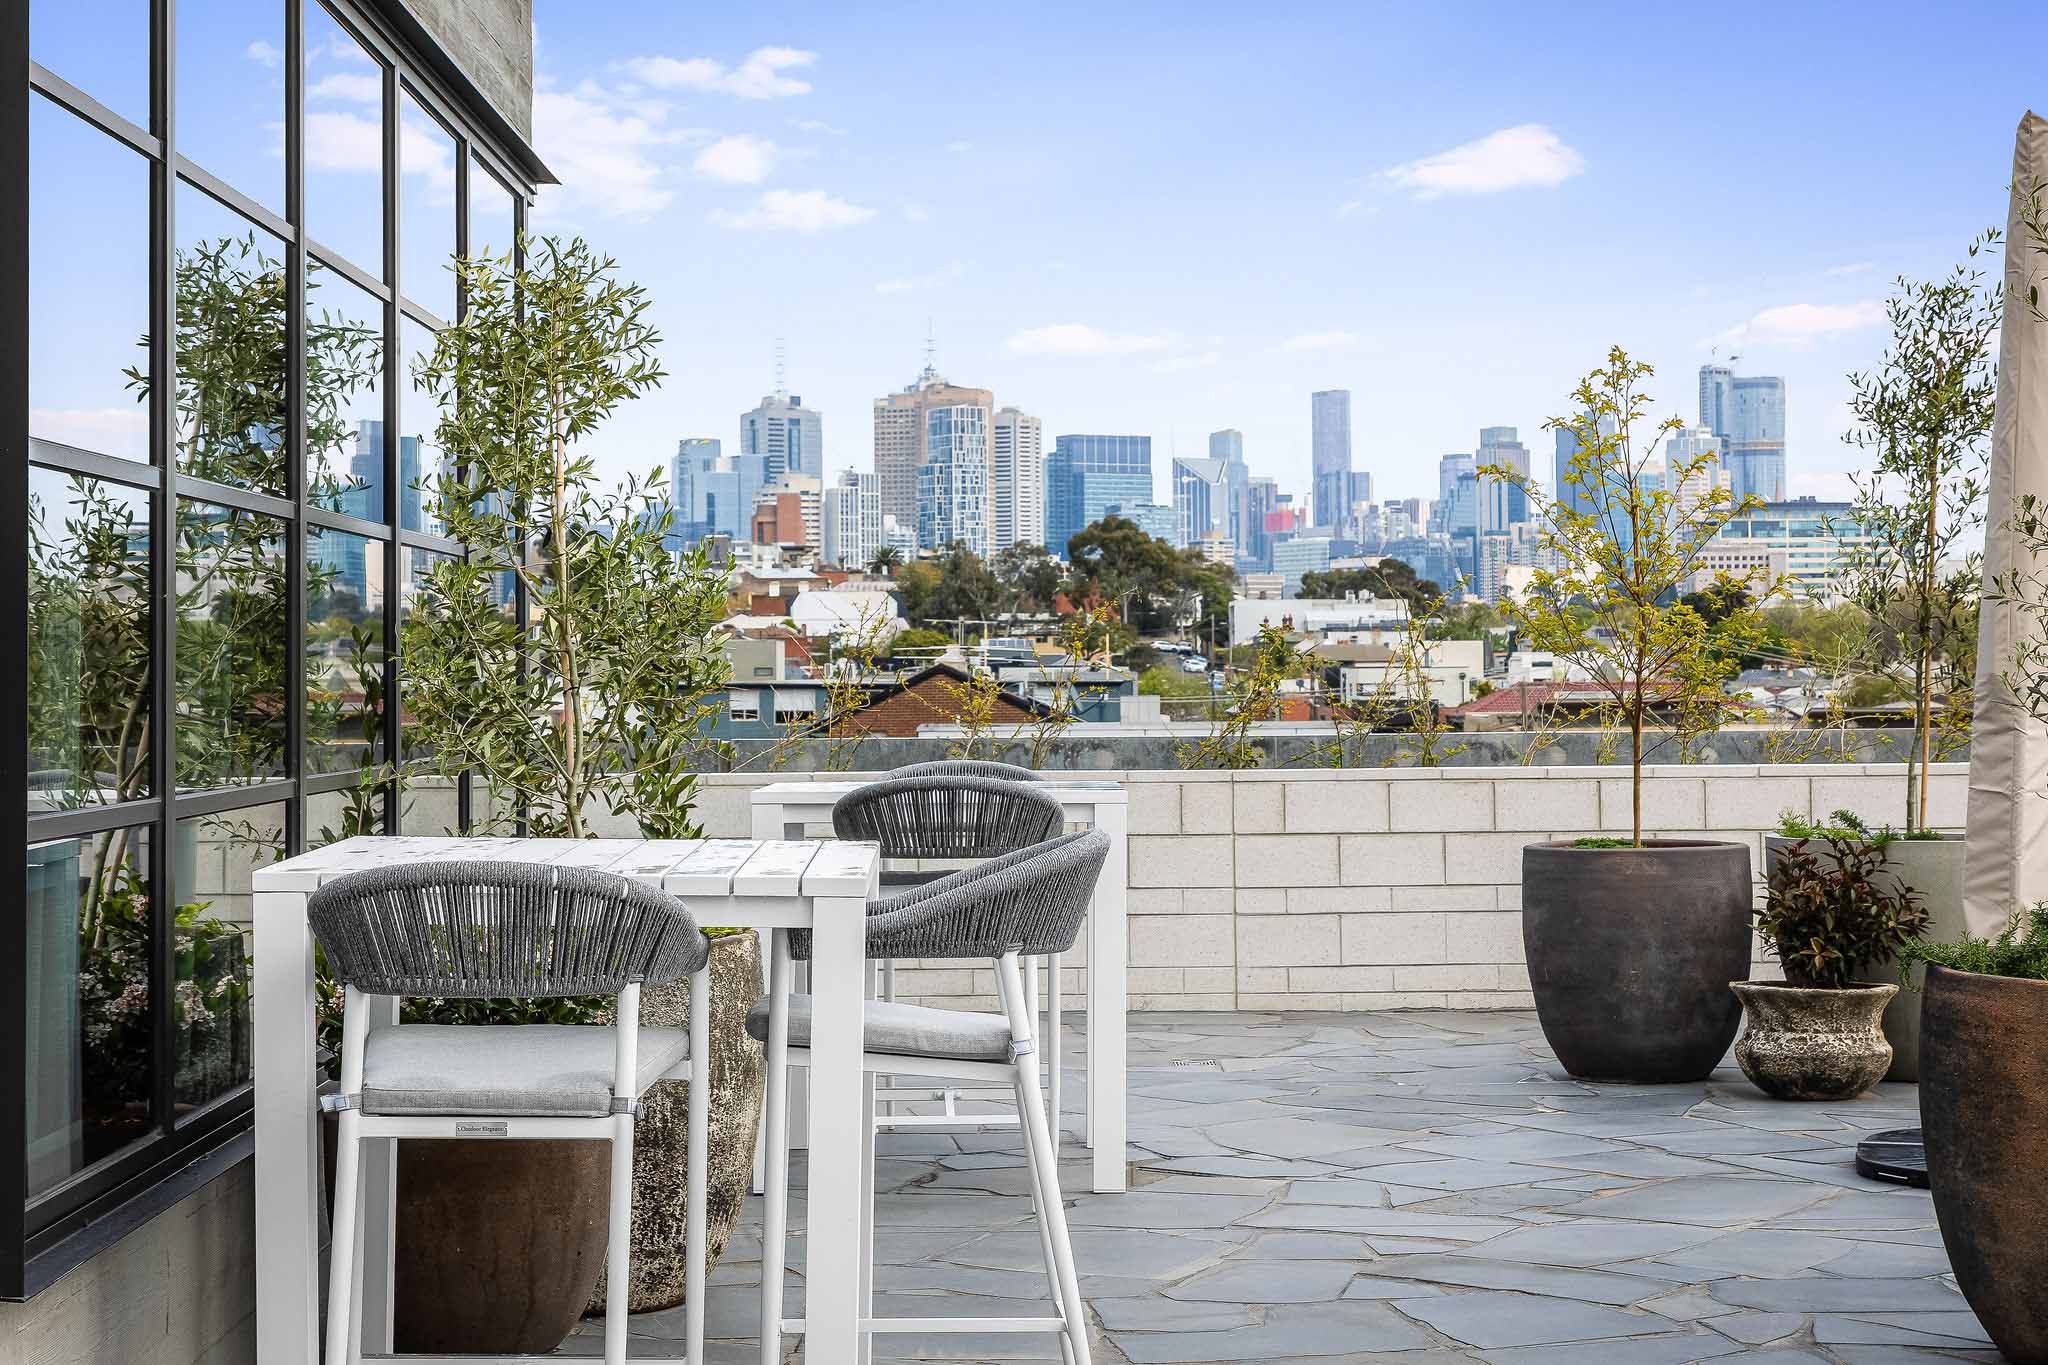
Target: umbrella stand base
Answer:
[[1896, 1157]]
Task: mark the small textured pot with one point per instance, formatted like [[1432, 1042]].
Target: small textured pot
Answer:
[[498, 1243], [1984, 1110], [1630, 954], [661, 1135], [1811, 1043], [1933, 870]]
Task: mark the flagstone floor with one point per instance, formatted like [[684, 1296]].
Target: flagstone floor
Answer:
[[1411, 1187]]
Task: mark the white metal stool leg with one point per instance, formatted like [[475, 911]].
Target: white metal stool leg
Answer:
[[1044, 1167], [342, 1263], [775, 1207], [1055, 1013], [867, 1216]]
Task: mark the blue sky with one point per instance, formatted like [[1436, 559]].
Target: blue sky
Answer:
[[1169, 219]]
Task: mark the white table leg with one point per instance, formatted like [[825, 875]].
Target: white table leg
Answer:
[[832, 1309], [772, 820], [1108, 950], [287, 1135], [764, 817], [377, 1245]]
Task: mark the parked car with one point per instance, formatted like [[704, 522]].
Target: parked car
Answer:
[[1219, 679], [1194, 663]]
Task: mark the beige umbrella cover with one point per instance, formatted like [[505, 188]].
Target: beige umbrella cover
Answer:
[[2008, 815]]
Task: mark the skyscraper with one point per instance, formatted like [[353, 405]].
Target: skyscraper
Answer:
[[1748, 413], [697, 458], [1330, 454], [952, 482], [1261, 500], [1449, 470], [902, 439], [1501, 503], [1200, 499], [1228, 446], [1019, 488], [853, 520], [788, 435], [1086, 475]]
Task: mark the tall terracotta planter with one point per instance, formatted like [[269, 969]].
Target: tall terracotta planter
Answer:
[[1933, 870], [1630, 954], [661, 1135], [1984, 1109]]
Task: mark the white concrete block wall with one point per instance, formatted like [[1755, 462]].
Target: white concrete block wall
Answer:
[[1352, 889]]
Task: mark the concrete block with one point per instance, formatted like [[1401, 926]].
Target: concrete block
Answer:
[[1256, 807], [1322, 807], [1158, 1004], [1261, 979], [1208, 900], [1288, 940], [1489, 1000], [1464, 977], [1154, 808], [1151, 900], [1391, 939], [1340, 978], [1494, 938], [1445, 899], [1287, 859], [1207, 980], [1330, 1001], [1181, 941], [1677, 803], [1537, 805], [1392, 859], [1878, 799], [1490, 858], [1437, 807], [1164, 860], [1205, 808], [1260, 900], [1336, 900], [1395, 1000], [1948, 799], [1754, 802]]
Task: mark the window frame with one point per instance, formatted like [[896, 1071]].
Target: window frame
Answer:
[[45, 1234]]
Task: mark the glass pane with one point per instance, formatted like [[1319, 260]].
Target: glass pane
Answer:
[[88, 630], [427, 804], [334, 816], [231, 94], [419, 420], [102, 49], [231, 680], [231, 347], [344, 143], [419, 563], [88, 288], [490, 213], [344, 650], [344, 396], [212, 951], [91, 1041], [426, 208]]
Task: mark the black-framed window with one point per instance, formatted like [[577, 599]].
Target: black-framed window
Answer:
[[234, 243]]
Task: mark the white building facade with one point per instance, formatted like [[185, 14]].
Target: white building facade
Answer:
[[853, 520], [1018, 497]]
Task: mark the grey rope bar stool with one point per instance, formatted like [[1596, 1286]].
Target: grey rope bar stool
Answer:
[[1029, 902], [485, 930], [952, 816], [966, 767]]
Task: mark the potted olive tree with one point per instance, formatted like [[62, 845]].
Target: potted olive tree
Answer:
[[586, 705], [1984, 1111], [1910, 564], [1632, 942], [1815, 1035]]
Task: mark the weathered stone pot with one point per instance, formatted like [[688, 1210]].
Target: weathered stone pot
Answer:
[[1984, 1110], [1933, 870], [661, 1135], [1630, 954], [1812, 1043]]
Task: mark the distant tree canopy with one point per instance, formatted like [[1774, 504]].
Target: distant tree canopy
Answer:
[[1154, 586], [1388, 578]]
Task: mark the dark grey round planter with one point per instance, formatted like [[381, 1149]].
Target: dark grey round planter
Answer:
[[1984, 1108], [1630, 954]]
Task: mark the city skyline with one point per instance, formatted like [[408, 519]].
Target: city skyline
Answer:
[[1109, 273]]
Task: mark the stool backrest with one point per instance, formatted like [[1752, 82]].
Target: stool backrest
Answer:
[[1030, 902], [948, 817], [474, 930], [966, 767]]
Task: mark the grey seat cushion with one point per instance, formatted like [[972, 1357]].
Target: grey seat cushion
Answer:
[[905, 1030], [546, 1070]]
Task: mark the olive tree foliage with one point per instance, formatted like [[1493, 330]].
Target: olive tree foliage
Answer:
[[601, 698], [1923, 420], [1628, 537]]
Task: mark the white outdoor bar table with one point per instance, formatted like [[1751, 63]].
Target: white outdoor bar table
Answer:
[[823, 886], [787, 808]]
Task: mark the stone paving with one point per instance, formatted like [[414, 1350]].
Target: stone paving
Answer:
[[1411, 1187]]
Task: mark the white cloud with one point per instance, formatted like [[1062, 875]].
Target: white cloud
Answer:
[[1078, 338], [263, 54], [348, 85], [1513, 158], [606, 155], [816, 125], [1797, 325], [796, 211], [737, 160], [759, 77], [1319, 341], [933, 279], [959, 145], [424, 151], [341, 141]]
